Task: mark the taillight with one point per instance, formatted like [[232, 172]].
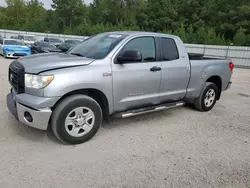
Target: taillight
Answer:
[[231, 66]]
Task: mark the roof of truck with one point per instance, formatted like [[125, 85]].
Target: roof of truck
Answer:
[[131, 33]]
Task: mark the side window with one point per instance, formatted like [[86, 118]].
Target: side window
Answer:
[[169, 48], [1, 41], [145, 45]]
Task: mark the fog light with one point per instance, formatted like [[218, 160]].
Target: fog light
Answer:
[[28, 117]]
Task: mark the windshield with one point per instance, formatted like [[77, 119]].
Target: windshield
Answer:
[[12, 42], [97, 47], [55, 40], [29, 38]]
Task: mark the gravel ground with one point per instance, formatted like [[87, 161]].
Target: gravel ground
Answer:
[[175, 148]]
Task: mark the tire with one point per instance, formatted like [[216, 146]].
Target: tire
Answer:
[[206, 103], [70, 109]]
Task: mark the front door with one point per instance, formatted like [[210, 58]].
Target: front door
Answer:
[[175, 71], [136, 84]]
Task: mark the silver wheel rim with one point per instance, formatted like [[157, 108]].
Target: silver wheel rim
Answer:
[[79, 121], [209, 98]]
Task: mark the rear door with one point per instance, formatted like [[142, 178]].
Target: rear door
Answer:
[[175, 70], [136, 84]]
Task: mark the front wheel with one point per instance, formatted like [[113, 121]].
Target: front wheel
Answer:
[[76, 119], [208, 97]]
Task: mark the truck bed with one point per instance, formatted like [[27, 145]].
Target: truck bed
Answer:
[[196, 56], [204, 68]]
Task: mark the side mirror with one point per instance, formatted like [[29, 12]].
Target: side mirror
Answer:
[[129, 56]]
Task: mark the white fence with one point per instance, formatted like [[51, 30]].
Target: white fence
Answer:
[[239, 55], [39, 36]]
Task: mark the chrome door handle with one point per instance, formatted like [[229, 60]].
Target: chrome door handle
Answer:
[[155, 69]]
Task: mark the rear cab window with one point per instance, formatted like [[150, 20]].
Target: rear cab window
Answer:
[[169, 49]]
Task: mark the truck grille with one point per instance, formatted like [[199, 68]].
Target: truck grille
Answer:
[[16, 77]]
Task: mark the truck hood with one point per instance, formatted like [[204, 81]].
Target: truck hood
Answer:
[[48, 61]]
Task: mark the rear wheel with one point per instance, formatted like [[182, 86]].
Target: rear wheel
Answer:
[[76, 119], [208, 97]]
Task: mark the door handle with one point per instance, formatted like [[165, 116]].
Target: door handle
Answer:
[[155, 69]]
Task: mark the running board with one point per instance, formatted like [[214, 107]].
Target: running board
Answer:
[[146, 110]]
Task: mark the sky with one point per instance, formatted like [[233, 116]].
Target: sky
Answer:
[[46, 3]]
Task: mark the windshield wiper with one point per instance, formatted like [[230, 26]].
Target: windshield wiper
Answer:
[[77, 54]]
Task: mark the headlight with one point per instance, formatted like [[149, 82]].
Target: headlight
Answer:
[[37, 81]]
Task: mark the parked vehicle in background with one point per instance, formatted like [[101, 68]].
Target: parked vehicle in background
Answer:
[[55, 41], [43, 47], [13, 48], [27, 39], [14, 37], [119, 74], [68, 44], [66, 47], [71, 41]]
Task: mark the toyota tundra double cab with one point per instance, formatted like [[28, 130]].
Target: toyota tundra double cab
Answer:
[[119, 74]]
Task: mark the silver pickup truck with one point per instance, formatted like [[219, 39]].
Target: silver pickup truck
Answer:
[[119, 74]]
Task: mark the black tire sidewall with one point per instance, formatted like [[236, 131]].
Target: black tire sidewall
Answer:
[[210, 86], [67, 107]]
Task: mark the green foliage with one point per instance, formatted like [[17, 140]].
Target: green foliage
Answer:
[[240, 38], [215, 22], [87, 29], [181, 32], [68, 12], [248, 40], [190, 35]]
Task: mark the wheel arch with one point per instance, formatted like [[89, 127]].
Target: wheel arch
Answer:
[[218, 82], [96, 94]]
